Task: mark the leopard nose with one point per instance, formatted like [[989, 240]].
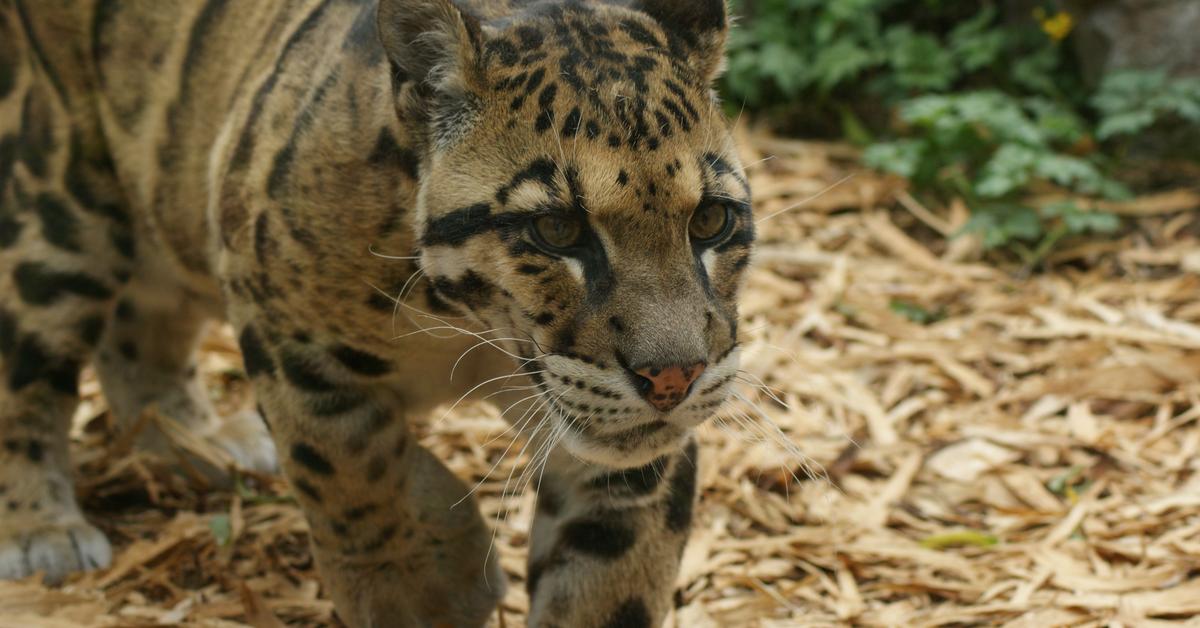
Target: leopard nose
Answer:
[[665, 387]]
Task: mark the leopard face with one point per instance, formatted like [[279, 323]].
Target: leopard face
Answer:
[[583, 197]]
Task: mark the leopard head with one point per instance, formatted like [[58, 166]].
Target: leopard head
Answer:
[[581, 191]]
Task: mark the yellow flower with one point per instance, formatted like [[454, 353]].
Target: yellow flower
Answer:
[[1056, 26]]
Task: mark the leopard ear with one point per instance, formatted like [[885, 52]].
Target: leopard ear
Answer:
[[433, 43], [701, 26]]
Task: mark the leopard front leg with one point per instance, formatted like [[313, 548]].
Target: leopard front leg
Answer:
[[146, 358], [394, 540], [607, 544]]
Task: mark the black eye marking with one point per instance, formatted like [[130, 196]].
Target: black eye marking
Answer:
[[540, 170], [565, 231], [721, 168]]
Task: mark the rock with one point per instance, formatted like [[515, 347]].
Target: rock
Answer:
[[1138, 34]]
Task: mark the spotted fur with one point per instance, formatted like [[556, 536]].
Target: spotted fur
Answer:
[[354, 185]]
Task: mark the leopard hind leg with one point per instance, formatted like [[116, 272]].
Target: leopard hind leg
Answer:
[[66, 246]]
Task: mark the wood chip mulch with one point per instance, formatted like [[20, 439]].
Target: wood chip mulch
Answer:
[[921, 439]]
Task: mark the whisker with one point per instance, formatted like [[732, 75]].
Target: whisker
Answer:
[[521, 423], [480, 385], [567, 422], [777, 435], [766, 436], [372, 251], [454, 368], [403, 295], [539, 458], [480, 337], [410, 284], [508, 389], [747, 167], [749, 425], [761, 385], [507, 481], [520, 358], [749, 430], [532, 437], [503, 454], [807, 200]]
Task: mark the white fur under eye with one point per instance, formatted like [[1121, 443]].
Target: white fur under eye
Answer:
[[576, 269], [448, 262], [708, 258]]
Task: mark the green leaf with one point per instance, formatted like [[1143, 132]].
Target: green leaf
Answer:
[[1056, 122], [854, 129], [845, 309], [1000, 114], [1008, 169], [1092, 222], [1124, 123], [743, 80], [1000, 224], [919, 60], [1128, 90], [960, 538], [784, 66], [253, 497], [976, 43], [1081, 221], [1131, 101], [1113, 190], [1059, 209], [843, 60], [1022, 223], [1059, 483], [1183, 97], [1066, 170], [852, 10], [1036, 71], [916, 313], [902, 157], [221, 529], [927, 110]]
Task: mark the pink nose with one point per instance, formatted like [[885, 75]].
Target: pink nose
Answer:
[[667, 387]]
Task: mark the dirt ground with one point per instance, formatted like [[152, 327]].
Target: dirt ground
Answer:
[[920, 439]]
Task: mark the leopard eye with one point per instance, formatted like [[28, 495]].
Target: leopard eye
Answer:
[[709, 223], [558, 232]]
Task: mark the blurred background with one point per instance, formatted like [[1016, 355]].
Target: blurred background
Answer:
[[990, 103], [971, 339]]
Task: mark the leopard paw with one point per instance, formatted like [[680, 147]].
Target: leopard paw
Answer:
[[55, 550], [245, 438], [213, 445]]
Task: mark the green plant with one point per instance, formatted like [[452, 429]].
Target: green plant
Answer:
[[826, 53], [974, 104], [1130, 101], [988, 148], [916, 313]]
